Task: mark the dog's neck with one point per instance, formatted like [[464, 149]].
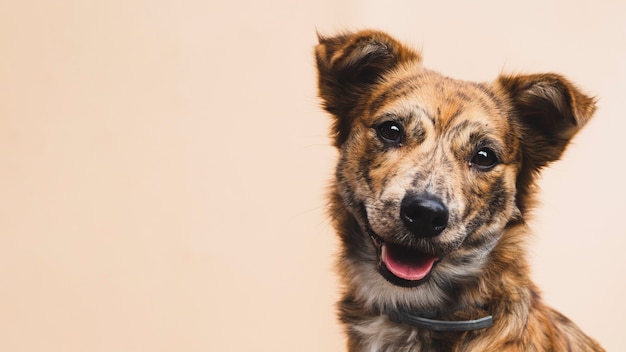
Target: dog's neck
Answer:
[[425, 320]]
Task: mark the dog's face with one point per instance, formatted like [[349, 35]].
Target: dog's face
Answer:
[[432, 170]]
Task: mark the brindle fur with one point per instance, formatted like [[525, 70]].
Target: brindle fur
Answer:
[[368, 77]]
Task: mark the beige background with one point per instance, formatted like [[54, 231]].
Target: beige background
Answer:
[[163, 166]]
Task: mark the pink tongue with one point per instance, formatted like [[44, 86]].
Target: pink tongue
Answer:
[[407, 264]]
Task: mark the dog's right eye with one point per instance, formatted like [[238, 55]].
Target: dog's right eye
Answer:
[[390, 132], [484, 159]]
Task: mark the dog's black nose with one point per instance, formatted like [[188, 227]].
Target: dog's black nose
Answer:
[[424, 214]]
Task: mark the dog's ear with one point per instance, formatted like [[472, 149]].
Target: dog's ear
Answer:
[[550, 111], [349, 65]]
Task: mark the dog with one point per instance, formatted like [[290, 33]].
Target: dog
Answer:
[[432, 192]]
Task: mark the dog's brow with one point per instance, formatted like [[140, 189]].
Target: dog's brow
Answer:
[[427, 114], [405, 113], [449, 116], [474, 127]]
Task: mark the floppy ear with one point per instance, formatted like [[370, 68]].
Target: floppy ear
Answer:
[[550, 110], [349, 65]]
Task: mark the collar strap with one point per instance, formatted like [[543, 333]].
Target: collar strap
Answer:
[[404, 317]]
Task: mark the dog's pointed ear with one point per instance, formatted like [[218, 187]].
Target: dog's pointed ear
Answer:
[[551, 110], [349, 65]]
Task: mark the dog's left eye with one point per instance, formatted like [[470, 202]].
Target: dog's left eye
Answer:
[[390, 132], [484, 159]]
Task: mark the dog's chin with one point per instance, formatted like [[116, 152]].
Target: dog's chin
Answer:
[[404, 266]]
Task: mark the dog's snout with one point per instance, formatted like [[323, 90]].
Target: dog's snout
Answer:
[[424, 215]]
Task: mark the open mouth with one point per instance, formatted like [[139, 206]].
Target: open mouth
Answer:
[[403, 266]]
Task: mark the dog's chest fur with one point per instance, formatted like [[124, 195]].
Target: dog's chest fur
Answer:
[[380, 334]]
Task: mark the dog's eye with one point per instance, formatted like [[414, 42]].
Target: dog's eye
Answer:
[[390, 132], [484, 159]]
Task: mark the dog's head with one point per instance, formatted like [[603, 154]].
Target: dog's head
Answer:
[[432, 170]]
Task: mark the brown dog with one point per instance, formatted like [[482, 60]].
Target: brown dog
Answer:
[[433, 188]]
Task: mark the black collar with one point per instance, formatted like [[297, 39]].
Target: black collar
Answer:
[[404, 317]]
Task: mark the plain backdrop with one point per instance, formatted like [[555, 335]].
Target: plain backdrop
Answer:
[[163, 165]]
